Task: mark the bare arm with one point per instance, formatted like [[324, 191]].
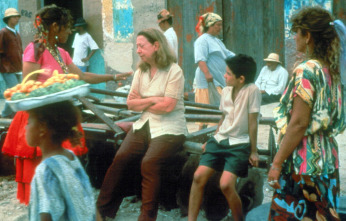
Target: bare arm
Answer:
[[220, 123], [217, 130], [301, 113], [135, 101], [29, 67], [204, 68], [89, 55], [253, 127], [166, 105], [96, 78]]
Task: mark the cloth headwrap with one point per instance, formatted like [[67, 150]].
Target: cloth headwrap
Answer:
[[41, 37], [41, 43], [341, 30], [206, 20]]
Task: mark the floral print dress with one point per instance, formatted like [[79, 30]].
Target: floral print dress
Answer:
[[309, 180]]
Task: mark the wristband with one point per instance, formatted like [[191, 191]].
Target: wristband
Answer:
[[115, 77], [274, 168]]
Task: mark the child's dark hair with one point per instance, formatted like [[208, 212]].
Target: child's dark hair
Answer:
[[170, 20], [61, 119], [242, 64]]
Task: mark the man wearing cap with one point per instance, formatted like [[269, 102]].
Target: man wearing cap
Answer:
[[10, 54], [82, 43], [165, 21], [272, 79]]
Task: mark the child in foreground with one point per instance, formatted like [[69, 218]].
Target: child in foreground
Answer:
[[234, 143], [60, 189]]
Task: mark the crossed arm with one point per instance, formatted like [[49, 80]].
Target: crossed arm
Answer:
[[155, 105]]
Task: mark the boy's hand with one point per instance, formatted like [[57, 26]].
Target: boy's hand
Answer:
[[203, 147], [254, 159]]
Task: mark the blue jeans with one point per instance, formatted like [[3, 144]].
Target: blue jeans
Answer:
[[83, 68], [11, 80]]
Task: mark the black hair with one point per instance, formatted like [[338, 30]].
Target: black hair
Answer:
[[6, 20], [242, 65], [52, 13], [61, 119], [170, 20]]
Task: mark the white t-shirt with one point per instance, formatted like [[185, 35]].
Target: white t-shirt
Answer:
[[172, 39], [273, 82], [81, 44]]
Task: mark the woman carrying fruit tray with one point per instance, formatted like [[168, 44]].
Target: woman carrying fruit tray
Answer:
[[53, 26]]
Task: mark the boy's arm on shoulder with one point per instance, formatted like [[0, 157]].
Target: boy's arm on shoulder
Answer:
[[253, 127]]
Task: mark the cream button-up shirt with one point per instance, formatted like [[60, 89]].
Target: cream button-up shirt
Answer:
[[235, 126], [167, 82]]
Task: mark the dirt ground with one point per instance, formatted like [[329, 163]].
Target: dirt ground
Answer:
[[12, 210]]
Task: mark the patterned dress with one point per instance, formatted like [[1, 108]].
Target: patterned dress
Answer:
[[310, 185]]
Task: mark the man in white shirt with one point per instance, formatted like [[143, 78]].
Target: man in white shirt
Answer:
[[165, 21], [82, 43], [272, 79]]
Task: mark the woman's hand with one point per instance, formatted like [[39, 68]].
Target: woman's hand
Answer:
[[254, 159], [122, 76], [273, 176], [208, 77]]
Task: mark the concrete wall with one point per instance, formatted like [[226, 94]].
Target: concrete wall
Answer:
[[121, 21], [28, 10], [144, 16]]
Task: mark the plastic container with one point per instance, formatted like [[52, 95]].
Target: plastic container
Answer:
[[33, 102]]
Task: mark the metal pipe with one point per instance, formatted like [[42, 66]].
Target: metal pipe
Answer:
[[193, 147], [129, 119], [202, 118], [208, 106], [123, 94], [108, 92], [115, 111], [112, 104], [193, 110]]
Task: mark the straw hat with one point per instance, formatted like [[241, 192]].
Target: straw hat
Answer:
[[10, 12], [163, 15], [273, 57]]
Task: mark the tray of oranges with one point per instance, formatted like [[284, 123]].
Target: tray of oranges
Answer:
[[31, 94]]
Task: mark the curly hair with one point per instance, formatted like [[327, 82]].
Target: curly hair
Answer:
[[164, 56], [319, 23], [52, 13], [61, 119]]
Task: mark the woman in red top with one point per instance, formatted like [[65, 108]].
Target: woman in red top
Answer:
[[53, 26]]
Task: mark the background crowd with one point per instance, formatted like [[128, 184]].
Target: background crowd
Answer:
[[310, 114]]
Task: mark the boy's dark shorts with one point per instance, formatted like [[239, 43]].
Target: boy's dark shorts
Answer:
[[223, 157]]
